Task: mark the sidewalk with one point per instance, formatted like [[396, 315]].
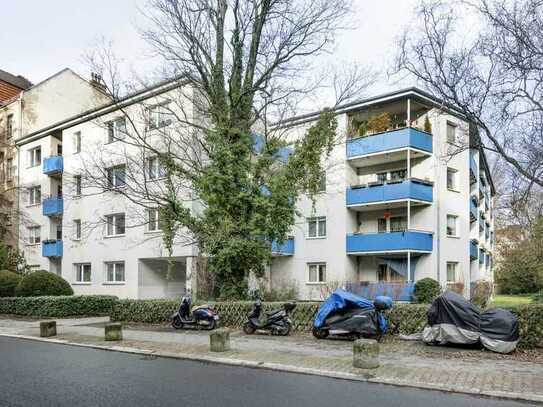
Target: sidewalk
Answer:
[[402, 363]]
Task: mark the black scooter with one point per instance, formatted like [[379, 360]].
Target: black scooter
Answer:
[[277, 321], [200, 316]]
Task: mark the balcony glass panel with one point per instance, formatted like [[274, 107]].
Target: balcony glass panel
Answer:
[[390, 140], [408, 189], [53, 165], [53, 206], [473, 250], [284, 249], [51, 248], [393, 241], [472, 210]]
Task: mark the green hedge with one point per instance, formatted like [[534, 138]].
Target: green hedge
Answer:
[[58, 306]]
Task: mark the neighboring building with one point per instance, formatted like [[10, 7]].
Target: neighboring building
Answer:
[[395, 206], [11, 88]]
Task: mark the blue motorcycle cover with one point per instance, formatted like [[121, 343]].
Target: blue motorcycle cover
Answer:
[[339, 300]]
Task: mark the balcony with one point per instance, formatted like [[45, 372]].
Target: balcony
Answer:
[[481, 256], [53, 207], [473, 250], [53, 165], [284, 249], [472, 211], [51, 248], [391, 191], [409, 240], [472, 170], [389, 141]]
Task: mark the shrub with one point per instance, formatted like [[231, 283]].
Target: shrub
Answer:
[[379, 123], [8, 282], [427, 125], [482, 291], [426, 290], [43, 283], [538, 297], [58, 306]]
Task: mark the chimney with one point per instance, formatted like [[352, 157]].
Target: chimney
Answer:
[[97, 82]]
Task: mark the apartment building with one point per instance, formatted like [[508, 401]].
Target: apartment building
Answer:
[[406, 198]]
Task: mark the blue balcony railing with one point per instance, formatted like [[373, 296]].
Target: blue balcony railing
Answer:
[[51, 248], [53, 207], [53, 165], [472, 211], [284, 249], [391, 191], [393, 241], [398, 291], [473, 250], [389, 140]]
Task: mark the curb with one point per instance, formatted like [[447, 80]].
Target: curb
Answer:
[[363, 377]]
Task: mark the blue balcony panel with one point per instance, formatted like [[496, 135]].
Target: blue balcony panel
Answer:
[[53, 207], [390, 140], [473, 250], [284, 249], [53, 165], [388, 242], [51, 248], [408, 189]]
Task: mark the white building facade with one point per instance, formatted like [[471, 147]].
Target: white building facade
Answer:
[[397, 205]]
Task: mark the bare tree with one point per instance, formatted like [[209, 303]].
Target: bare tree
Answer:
[[233, 69], [494, 76]]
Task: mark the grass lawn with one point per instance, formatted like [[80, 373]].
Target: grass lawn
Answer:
[[507, 300]]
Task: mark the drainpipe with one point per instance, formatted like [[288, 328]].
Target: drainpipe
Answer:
[[17, 184]]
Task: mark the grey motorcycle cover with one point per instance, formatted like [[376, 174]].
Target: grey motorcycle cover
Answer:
[[499, 330]]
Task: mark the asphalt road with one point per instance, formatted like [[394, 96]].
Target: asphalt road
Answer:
[[44, 374]]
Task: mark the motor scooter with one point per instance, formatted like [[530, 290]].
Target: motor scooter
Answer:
[[277, 322], [199, 316]]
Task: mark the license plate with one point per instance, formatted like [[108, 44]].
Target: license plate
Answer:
[[216, 317]]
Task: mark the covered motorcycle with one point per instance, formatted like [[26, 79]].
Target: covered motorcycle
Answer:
[[347, 314], [454, 320]]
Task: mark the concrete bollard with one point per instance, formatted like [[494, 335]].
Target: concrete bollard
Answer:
[[366, 354], [114, 332], [48, 328], [219, 340]]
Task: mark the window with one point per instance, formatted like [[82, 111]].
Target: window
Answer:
[[77, 185], [317, 273], [82, 273], [77, 229], [34, 157], [322, 182], [451, 271], [155, 168], [160, 116], [452, 225], [9, 169], [115, 224], [316, 227], [398, 175], [116, 130], [153, 220], [115, 272], [398, 224], [452, 179], [381, 177], [9, 126], [77, 142], [451, 133], [116, 176], [381, 225], [34, 234], [34, 195]]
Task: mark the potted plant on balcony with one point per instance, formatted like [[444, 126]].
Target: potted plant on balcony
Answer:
[[427, 125], [379, 123]]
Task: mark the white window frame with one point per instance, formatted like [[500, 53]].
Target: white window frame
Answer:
[[34, 234], [456, 226], [153, 220], [79, 271], [319, 221], [115, 266], [78, 185], [10, 170], [9, 126], [113, 177], [113, 228], [34, 159], [455, 271], [155, 169], [77, 229], [116, 130], [322, 182], [160, 116], [77, 142], [454, 186], [320, 269], [33, 197], [454, 135]]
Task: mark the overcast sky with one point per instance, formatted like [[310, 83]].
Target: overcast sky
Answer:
[[38, 38]]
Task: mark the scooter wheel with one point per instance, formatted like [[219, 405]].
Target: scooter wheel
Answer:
[[320, 333], [248, 328], [176, 323], [285, 330], [212, 325]]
